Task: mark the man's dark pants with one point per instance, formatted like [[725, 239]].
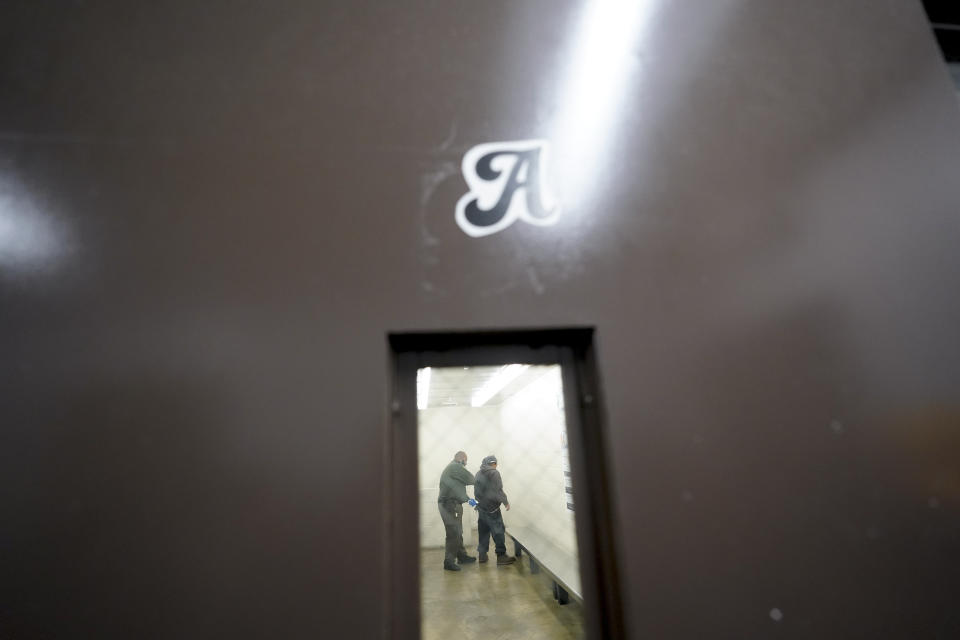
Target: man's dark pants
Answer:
[[451, 511], [491, 523]]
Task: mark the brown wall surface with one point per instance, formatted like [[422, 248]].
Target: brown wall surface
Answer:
[[212, 214]]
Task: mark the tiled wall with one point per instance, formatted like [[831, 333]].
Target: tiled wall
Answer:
[[532, 461]]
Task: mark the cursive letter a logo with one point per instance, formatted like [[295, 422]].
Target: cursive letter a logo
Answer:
[[506, 181]]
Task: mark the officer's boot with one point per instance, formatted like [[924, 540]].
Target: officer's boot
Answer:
[[504, 559], [483, 556], [451, 566]]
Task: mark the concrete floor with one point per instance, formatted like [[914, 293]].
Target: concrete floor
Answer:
[[492, 603]]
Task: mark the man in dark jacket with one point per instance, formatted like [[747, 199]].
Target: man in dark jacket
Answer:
[[453, 493], [488, 488]]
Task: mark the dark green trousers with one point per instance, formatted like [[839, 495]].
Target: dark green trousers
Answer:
[[451, 511]]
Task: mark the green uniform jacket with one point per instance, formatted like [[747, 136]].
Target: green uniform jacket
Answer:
[[454, 481]]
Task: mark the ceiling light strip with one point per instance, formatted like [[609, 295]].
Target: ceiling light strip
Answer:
[[503, 377], [423, 388]]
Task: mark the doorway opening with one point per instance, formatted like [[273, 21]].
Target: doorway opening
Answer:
[[497, 464]]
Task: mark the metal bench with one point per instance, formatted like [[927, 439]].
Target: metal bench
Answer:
[[543, 555]]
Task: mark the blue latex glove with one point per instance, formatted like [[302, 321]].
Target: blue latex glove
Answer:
[[472, 502]]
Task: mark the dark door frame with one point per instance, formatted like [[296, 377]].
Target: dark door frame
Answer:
[[573, 350]]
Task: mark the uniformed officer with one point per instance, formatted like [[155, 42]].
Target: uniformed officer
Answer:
[[453, 493]]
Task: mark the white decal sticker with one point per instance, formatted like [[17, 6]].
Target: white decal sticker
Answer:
[[507, 182]]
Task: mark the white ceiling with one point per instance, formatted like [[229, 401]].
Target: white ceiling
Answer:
[[454, 386]]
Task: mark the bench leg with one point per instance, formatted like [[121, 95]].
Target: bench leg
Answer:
[[534, 567], [562, 596], [517, 549]]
